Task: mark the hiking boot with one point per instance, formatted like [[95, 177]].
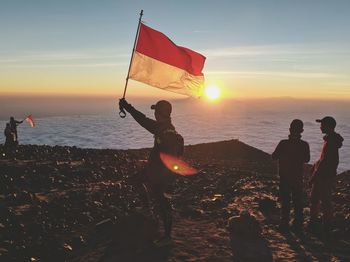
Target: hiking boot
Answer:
[[163, 242]]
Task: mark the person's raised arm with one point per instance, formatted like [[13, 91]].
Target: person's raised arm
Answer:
[[147, 123]]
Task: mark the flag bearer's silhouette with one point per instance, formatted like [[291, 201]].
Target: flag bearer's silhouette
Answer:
[[157, 176], [291, 154], [13, 125]]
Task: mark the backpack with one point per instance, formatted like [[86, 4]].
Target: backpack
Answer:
[[171, 142]]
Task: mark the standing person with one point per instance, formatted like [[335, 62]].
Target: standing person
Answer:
[[9, 135], [324, 172], [13, 125], [157, 176], [292, 154]]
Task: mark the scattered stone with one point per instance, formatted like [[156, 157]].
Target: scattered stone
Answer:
[[53, 199]]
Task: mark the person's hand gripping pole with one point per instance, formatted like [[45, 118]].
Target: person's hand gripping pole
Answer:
[[122, 105], [122, 112]]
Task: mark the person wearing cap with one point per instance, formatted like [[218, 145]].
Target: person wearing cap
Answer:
[[156, 174], [323, 174], [292, 154]]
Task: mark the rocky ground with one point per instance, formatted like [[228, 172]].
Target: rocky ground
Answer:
[[71, 204]]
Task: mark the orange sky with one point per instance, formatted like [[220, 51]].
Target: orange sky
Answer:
[[252, 49], [109, 82]]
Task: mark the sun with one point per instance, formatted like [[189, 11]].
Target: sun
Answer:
[[212, 92]]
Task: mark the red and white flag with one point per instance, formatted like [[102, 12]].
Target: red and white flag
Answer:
[[30, 120], [160, 63]]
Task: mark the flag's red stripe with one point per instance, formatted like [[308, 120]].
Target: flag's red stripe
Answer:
[[30, 120], [158, 46]]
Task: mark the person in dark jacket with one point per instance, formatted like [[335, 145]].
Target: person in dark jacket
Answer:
[[292, 154], [324, 172], [158, 177], [13, 125], [9, 135]]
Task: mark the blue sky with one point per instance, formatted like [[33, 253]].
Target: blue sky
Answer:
[[277, 48]]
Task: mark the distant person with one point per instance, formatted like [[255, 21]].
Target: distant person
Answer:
[[9, 135], [324, 172], [13, 125], [292, 154], [157, 176]]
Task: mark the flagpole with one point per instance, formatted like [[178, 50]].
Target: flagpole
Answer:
[[133, 51], [122, 112]]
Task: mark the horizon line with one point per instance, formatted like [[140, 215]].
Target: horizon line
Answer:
[[170, 97]]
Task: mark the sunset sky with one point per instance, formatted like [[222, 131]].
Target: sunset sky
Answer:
[[253, 48]]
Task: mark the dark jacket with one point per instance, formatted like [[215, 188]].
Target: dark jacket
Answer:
[[154, 127], [8, 132], [9, 136], [13, 124], [291, 154], [326, 167]]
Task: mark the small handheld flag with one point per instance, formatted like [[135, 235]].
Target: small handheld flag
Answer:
[[30, 120]]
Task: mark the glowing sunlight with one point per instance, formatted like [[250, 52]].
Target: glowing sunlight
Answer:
[[212, 92]]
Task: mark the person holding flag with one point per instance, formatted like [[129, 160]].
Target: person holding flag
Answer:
[[13, 126], [158, 62], [156, 175]]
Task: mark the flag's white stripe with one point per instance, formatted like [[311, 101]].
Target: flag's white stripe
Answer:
[[158, 74]]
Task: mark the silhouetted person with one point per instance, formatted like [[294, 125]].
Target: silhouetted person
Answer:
[[292, 154], [9, 135], [13, 125], [324, 172], [158, 177]]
